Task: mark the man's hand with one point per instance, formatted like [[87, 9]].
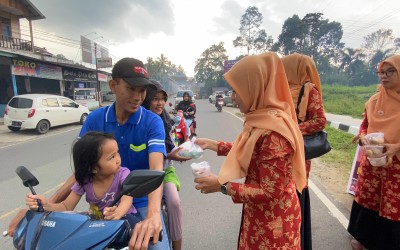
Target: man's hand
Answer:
[[150, 227], [173, 155]]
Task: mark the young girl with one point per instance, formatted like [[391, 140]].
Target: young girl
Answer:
[[99, 174]]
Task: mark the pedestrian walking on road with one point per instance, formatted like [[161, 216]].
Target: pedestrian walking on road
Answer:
[[269, 153], [375, 215], [305, 87]]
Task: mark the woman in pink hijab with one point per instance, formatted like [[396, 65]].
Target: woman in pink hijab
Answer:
[[269, 153]]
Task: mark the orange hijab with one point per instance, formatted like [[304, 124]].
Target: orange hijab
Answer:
[[383, 108], [301, 70], [261, 83]]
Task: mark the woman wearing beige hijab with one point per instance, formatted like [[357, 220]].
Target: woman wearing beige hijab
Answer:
[[269, 153], [375, 214], [302, 73]]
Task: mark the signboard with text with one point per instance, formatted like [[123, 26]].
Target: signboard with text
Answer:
[[228, 64], [25, 67], [104, 62]]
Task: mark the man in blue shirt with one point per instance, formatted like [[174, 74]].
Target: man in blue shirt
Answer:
[[140, 135]]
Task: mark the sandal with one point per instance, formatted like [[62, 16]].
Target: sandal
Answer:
[[356, 245]]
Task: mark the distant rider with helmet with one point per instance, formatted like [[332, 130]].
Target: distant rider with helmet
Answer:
[[189, 110]]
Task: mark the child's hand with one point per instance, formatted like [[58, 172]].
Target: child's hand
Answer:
[[110, 213], [31, 201]]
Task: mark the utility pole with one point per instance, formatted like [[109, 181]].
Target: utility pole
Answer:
[[97, 75]]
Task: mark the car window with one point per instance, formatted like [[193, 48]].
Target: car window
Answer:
[[22, 103], [67, 103], [50, 102]]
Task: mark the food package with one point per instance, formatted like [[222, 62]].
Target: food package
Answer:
[[373, 150], [191, 149], [375, 138], [201, 169], [377, 162]]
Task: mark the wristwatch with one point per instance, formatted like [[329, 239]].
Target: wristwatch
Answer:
[[224, 188]]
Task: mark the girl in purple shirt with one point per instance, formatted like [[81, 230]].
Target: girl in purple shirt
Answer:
[[99, 174]]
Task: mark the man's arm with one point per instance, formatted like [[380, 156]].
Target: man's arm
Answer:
[[152, 225]]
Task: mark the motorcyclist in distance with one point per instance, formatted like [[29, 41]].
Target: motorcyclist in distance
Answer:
[[219, 96], [189, 110]]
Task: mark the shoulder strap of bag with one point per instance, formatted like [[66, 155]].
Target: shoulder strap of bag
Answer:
[[298, 102]]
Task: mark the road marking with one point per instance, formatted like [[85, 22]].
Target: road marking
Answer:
[[332, 208], [321, 196], [38, 138]]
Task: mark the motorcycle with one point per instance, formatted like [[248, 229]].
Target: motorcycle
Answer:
[[72, 230], [220, 103], [179, 130]]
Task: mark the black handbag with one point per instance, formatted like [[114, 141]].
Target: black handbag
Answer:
[[317, 144]]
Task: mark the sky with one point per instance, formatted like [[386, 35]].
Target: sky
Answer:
[[183, 29]]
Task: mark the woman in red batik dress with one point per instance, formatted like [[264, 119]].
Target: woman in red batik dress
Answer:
[[375, 215], [269, 152], [302, 74]]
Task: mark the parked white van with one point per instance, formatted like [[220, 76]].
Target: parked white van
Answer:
[[42, 111]]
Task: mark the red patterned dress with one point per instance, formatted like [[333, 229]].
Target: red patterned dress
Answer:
[[271, 212], [315, 119], [378, 188]]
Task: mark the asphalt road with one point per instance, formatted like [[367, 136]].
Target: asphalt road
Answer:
[[210, 221]]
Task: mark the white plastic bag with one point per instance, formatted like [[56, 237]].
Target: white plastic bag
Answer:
[[201, 169], [191, 149]]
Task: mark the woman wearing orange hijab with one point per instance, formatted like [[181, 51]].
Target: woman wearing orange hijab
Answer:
[[375, 214], [269, 152], [301, 72]]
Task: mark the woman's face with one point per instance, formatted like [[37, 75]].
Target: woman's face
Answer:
[[186, 97], [157, 104], [239, 102], [389, 77]]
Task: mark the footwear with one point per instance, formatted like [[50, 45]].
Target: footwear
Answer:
[[356, 245]]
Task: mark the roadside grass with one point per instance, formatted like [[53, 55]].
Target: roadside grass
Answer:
[[345, 100], [342, 153]]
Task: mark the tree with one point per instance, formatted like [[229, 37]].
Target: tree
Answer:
[[351, 60], [312, 35], [379, 40], [210, 66], [291, 38], [252, 36], [163, 70]]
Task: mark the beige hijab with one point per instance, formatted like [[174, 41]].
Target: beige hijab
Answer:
[[301, 70], [261, 83], [383, 108]]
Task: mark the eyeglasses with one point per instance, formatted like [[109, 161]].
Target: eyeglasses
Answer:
[[156, 99], [388, 73]]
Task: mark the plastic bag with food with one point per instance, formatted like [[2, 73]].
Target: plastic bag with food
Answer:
[[201, 169], [191, 149]]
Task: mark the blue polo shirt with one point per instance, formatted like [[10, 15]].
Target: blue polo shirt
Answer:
[[142, 134]]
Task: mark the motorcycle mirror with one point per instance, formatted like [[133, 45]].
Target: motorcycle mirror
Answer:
[[140, 183], [170, 104], [28, 179]]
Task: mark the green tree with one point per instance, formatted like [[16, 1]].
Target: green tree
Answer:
[[313, 35], [210, 66], [252, 36], [292, 36], [164, 71]]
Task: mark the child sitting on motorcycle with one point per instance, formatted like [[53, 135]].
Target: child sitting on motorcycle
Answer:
[[99, 174], [189, 110]]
